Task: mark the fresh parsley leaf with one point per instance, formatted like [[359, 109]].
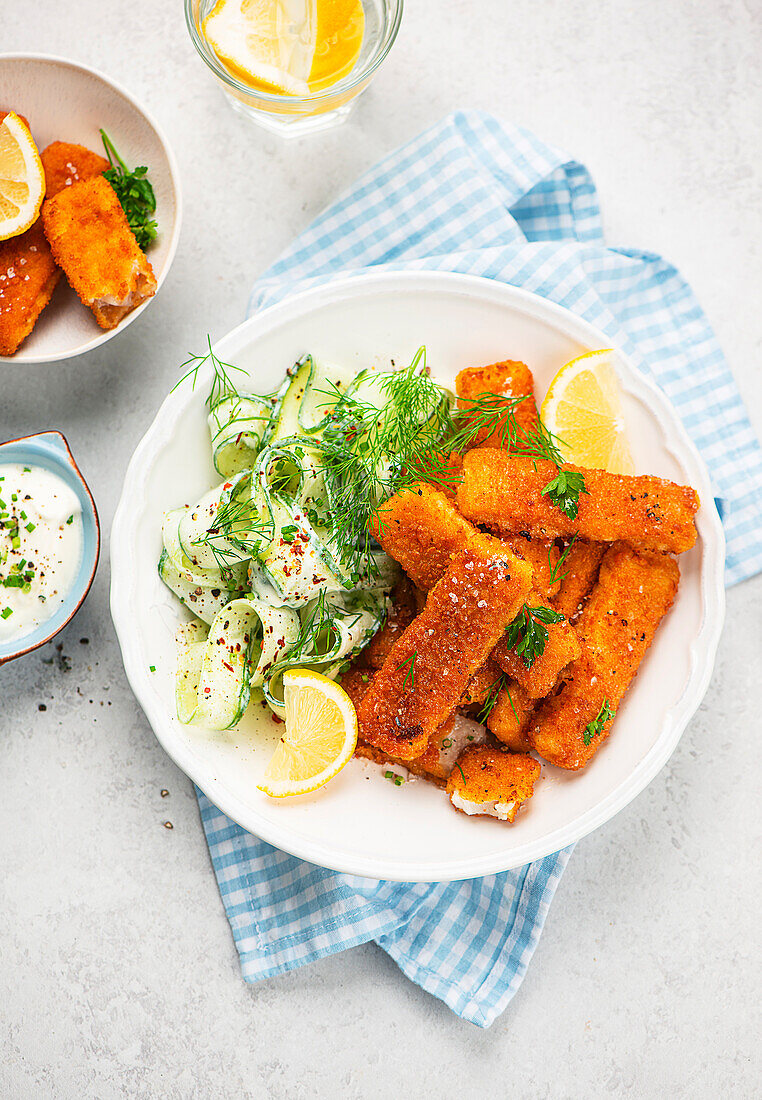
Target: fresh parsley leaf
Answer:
[[594, 728], [527, 635], [135, 193], [564, 491]]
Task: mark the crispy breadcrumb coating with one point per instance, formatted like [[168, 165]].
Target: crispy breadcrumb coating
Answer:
[[28, 277], [507, 379], [400, 617], [429, 668], [506, 495], [421, 529], [91, 240], [65, 164], [542, 555], [634, 592], [510, 716], [561, 648], [579, 570], [493, 781]]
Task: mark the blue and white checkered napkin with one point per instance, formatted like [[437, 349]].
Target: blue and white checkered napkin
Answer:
[[474, 195]]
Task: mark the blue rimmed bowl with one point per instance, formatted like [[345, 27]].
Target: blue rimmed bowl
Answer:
[[51, 451]]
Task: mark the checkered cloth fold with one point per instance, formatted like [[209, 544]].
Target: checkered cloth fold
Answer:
[[477, 196]]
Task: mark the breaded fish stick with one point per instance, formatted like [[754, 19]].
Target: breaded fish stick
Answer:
[[506, 495], [28, 277], [491, 782], [443, 749], [509, 717], [429, 668], [635, 590], [400, 617], [509, 379], [561, 648], [580, 572], [542, 555], [421, 529], [91, 239], [65, 163]]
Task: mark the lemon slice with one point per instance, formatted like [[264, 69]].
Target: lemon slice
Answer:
[[584, 409], [22, 179], [320, 737], [287, 46]]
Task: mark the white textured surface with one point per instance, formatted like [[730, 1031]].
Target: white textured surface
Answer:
[[118, 972]]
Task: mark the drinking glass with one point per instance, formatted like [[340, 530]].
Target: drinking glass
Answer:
[[295, 115]]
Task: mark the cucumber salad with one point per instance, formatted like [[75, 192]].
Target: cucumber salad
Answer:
[[275, 563]]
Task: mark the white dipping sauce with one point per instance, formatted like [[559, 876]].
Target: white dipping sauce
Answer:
[[40, 547]]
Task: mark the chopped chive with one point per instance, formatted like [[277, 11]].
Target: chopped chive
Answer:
[[152, 668], [31, 527], [6, 612], [70, 520]]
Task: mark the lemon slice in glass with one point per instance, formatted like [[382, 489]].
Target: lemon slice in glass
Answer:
[[583, 408], [22, 179], [320, 737], [290, 46]]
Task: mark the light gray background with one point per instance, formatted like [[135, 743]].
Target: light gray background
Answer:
[[117, 968]]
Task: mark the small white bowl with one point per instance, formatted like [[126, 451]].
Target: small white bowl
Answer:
[[65, 101]]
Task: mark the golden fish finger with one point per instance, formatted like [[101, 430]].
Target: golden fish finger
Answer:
[[506, 495], [91, 240], [492, 782], [429, 668], [28, 277], [634, 592], [421, 529], [65, 164], [509, 379]]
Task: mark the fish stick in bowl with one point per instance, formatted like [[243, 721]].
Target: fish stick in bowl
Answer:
[[91, 240]]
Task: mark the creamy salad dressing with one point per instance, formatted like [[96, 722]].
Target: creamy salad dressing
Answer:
[[41, 542]]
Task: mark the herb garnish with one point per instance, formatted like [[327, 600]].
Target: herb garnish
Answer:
[[369, 453], [135, 194], [594, 728], [527, 635], [409, 664], [555, 573], [564, 490], [491, 700], [492, 413], [222, 383], [317, 633]]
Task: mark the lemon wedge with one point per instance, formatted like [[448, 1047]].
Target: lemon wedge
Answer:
[[320, 737], [287, 46], [22, 179], [583, 408]]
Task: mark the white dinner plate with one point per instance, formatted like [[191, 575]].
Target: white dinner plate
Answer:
[[360, 822], [66, 101]]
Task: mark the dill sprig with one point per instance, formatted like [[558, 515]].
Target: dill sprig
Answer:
[[487, 414], [527, 634], [490, 413], [409, 664], [222, 384], [135, 193], [369, 453], [317, 631], [594, 728], [555, 570], [491, 700]]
